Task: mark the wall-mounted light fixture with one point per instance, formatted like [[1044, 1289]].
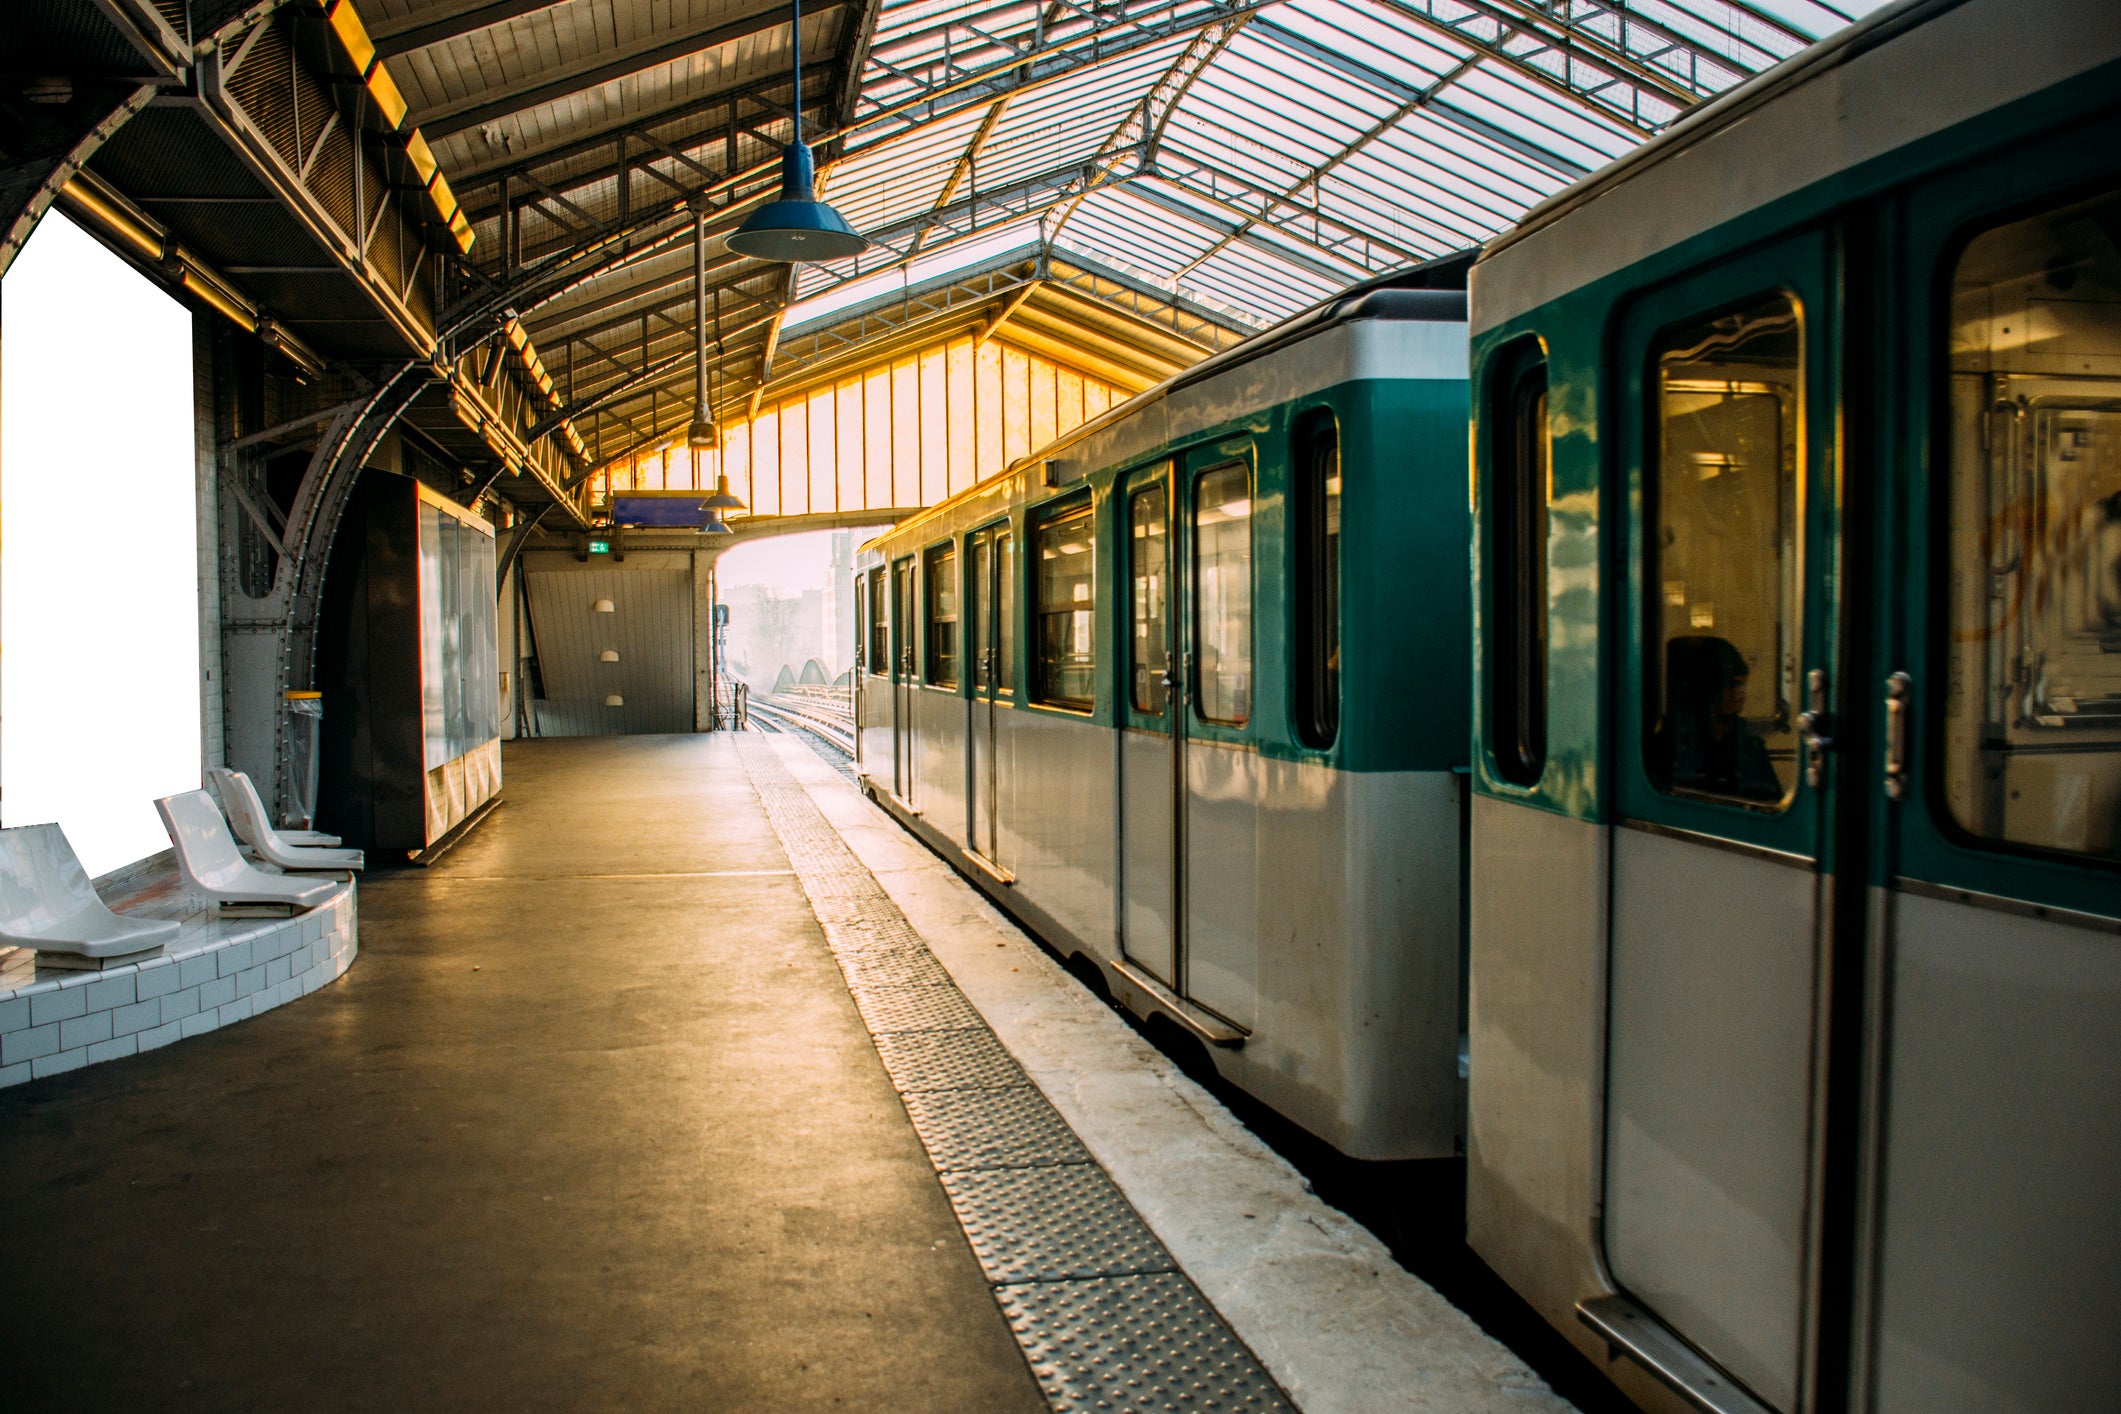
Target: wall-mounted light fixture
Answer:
[[609, 655], [604, 606], [614, 701]]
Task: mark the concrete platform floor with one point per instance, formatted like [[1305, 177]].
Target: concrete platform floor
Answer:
[[591, 1124]]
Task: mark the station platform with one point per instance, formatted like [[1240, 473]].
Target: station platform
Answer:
[[688, 1080]]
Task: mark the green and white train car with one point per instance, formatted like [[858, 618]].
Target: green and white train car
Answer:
[[1184, 693], [1795, 890]]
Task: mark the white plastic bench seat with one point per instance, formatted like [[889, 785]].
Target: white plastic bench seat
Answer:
[[305, 839], [207, 858], [47, 902], [246, 813]]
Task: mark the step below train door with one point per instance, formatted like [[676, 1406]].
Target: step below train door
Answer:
[[1722, 883], [990, 644], [1148, 770], [905, 680]]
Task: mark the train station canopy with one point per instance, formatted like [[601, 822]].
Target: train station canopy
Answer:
[[1109, 189]]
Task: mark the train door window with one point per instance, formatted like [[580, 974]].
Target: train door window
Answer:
[[1315, 533], [1520, 488], [993, 644], [861, 620], [879, 623], [2032, 731], [1725, 570], [1005, 603], [1222, 595], [1149, 572], [1066, 608], [939, 570]]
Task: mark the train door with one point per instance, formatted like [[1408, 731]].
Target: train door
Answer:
[[1996, 1240], [905, 681], [1219, 781], [990, 642], [1148, 717], [861, 646], [1722, 884]]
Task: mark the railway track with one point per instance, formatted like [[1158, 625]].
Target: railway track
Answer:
[[785, 713]]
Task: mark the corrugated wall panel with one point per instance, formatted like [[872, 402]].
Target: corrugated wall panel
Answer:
[[650, 627]]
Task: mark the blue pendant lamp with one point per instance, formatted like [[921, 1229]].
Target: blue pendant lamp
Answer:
[[798, 227]]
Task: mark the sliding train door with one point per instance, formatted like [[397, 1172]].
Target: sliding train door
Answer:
[[1220, 782], [1147, 717], [1722, 889], [905, 680], [990, 645], [1996, 1241]]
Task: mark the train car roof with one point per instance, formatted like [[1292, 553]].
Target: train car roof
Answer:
[[1899, 75], [1431, 292]]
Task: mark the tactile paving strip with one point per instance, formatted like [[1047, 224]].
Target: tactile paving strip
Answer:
[[948, 1060], [1105, 1318], [1145, 1344], [893, 967], [1056, 1223], [886, 1009], [992, 1129]]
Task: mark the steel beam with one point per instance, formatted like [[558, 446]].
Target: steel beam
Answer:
[[402, 36], [493, 104]]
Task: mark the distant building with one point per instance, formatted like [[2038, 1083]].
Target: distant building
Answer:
[[809, 634], [837, 651]]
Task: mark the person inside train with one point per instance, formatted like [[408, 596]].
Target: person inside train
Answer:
[[1703, 743]]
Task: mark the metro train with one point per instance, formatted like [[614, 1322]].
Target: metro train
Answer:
[[1207, 737], [1733, 874], [1797, 1079]]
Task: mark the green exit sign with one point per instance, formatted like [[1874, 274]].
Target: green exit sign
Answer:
[[600, 547]]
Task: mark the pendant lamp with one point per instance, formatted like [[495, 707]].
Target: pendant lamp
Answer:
[[798, 226], [702, 433]]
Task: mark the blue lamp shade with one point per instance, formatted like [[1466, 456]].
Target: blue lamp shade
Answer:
[[797, 227], [715, 525], [722, 499]]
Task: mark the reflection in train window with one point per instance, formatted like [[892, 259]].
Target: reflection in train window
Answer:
[[1149, 559], [879, 624], [992, 621], [1725, 573], [2032, 732], [1519, 490], [1315, 656], [1222, 595], [1067, 642], [940, 572]]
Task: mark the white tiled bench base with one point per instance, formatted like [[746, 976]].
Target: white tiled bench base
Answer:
[[217, 970]]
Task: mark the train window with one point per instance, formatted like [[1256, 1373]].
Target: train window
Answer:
[[1725, 574], [1222, 595], [1315, 534], [879, 624], [1067, 637], [1149, 567], [1520, 487], [939, 569], [2032, 725], [992, 622]]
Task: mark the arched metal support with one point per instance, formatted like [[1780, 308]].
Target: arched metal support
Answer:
[[51, 150]]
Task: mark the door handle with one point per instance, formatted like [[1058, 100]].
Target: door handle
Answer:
[[1817, 726], [1899, 692]]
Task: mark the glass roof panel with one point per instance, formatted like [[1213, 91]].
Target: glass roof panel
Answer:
[[1260, 156]]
